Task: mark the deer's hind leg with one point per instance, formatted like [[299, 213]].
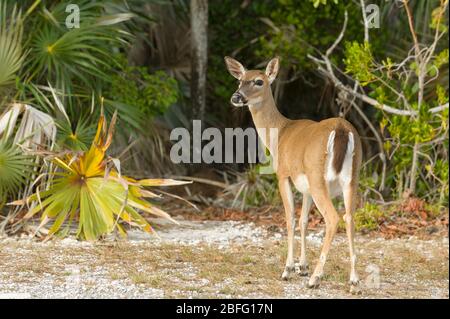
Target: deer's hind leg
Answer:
[[325, 206], [288, 203], [350, 197]]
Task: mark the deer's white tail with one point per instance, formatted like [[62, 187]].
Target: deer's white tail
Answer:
[[340, 148]]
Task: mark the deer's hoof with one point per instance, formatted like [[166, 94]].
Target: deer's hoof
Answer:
[[355, 286], [313, 282], [287, 273], [303, 270]]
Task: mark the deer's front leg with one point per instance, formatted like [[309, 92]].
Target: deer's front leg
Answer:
[[288, 203]]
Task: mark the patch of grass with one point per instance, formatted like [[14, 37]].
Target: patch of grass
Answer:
[[218, 266], [248, 260], [227, 290], [39, 266], [424, 268], [434, 274], [436, 210], [116, 275], [147, 279], [337, 272]]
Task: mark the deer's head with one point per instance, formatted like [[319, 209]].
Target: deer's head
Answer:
[[253, 84]]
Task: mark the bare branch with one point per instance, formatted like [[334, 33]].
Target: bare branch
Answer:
[[366, 23], [411, 28], [384, 107], [338, 84], [439, 108], [339, 38], [329, 72], [414, 166], [421, 67], [437, 35]]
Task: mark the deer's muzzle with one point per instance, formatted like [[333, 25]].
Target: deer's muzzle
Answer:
[[237, 99]]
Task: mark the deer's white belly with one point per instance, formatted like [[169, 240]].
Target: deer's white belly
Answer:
[[301, 183]]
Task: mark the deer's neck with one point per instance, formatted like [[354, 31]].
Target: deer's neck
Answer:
[[266, 118]]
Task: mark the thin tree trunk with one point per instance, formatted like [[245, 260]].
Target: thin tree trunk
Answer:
[[199, 56], [414, 167]]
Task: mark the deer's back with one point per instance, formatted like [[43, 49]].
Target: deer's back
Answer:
[[303, 145]]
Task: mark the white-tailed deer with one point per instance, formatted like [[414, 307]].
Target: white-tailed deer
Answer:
[[322, 159]]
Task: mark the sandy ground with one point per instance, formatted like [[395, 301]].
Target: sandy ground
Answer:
[[216, 259]]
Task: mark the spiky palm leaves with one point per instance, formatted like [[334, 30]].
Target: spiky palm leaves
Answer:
[[15, 169], [251, 188], [11, 55], [69, 57], [23, 125], [89, 189], [77, 62]]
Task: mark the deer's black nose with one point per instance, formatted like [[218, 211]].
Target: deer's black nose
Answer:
[[236, 98]]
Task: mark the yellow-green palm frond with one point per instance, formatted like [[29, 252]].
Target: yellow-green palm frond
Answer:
[[100, 201]]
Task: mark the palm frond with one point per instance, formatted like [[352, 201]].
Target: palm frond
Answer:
[[15, 169], [29, 126], [77, 139], [67, 57], [11, 53]]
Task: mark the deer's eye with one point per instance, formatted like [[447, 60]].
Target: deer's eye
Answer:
[[259, 82]]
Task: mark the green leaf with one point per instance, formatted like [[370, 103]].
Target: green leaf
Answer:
[[11, 53]]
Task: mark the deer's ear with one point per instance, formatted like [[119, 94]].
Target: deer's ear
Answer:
[[235, 68], [272, 69]]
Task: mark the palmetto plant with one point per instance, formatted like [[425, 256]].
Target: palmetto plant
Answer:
[[77, 139], [77, 62], [15, 169], [89, 187], [11, 55], [70, 57], [251, 188]]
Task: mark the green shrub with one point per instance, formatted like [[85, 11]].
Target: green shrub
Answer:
[[402, 132], [368, 217], [152, 93]]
